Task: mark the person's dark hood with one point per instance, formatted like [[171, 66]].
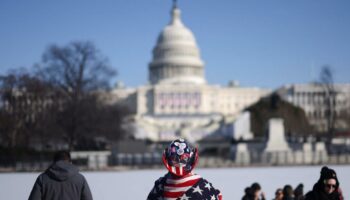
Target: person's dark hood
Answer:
[[61, 170]]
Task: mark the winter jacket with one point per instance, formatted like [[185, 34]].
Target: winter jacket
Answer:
[[202, 189], [61, 181], [249, 197], [317, 193]]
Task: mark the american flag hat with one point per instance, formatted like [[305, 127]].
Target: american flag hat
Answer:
[[180, 158]]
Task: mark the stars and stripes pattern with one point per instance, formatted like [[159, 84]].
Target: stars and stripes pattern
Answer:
[[175, 170], [175, 188], [192, 187]]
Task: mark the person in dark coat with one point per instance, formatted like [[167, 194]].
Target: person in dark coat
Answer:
[[180, 182], [248, 194], [326, 188], [61, 181], [288, 193], [299, 192], [253, 193]]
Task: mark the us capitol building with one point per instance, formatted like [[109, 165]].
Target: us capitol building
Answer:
[[178, 102]]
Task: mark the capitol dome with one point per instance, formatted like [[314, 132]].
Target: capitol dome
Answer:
[[176, 57]]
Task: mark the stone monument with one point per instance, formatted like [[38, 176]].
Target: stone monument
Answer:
[[241, 127], [276, 141], [241, 154], [277, 150]]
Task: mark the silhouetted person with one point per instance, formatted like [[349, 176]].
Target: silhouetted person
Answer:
[[299, 192], [248, 194], [254, 193], [61, 181], [288, 193], [327, 187], [278, 194]]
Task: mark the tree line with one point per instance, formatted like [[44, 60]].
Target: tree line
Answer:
[[56, 102]]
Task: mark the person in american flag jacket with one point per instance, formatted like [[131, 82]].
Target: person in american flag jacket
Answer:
[[180, 183]]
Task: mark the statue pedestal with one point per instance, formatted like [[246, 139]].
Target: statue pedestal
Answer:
[[276, 141], [277, 150]]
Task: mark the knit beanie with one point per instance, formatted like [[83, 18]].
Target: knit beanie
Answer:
[[328, 173]]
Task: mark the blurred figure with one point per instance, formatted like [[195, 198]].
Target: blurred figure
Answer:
[[288, 193], [299, 192], [248, 194], [61, 181], [253, 193], [327, 187], [258, 194], [278, 194], [340, 193], [180, 182]]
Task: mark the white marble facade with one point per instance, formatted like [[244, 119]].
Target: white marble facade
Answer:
[[311, 97]]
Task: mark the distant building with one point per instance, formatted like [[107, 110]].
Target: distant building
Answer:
[[178, 102], [312, 98], [28, 105]]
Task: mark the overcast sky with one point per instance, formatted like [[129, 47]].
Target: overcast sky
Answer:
[[259, 43]]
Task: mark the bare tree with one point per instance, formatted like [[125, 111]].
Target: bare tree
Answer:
[[20, 94], [59, 101], [330, 95], [77, 69]]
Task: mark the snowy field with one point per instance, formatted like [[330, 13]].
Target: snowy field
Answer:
[[135, 185]]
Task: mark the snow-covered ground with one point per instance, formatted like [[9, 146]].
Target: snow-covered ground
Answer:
[[135, 185]]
